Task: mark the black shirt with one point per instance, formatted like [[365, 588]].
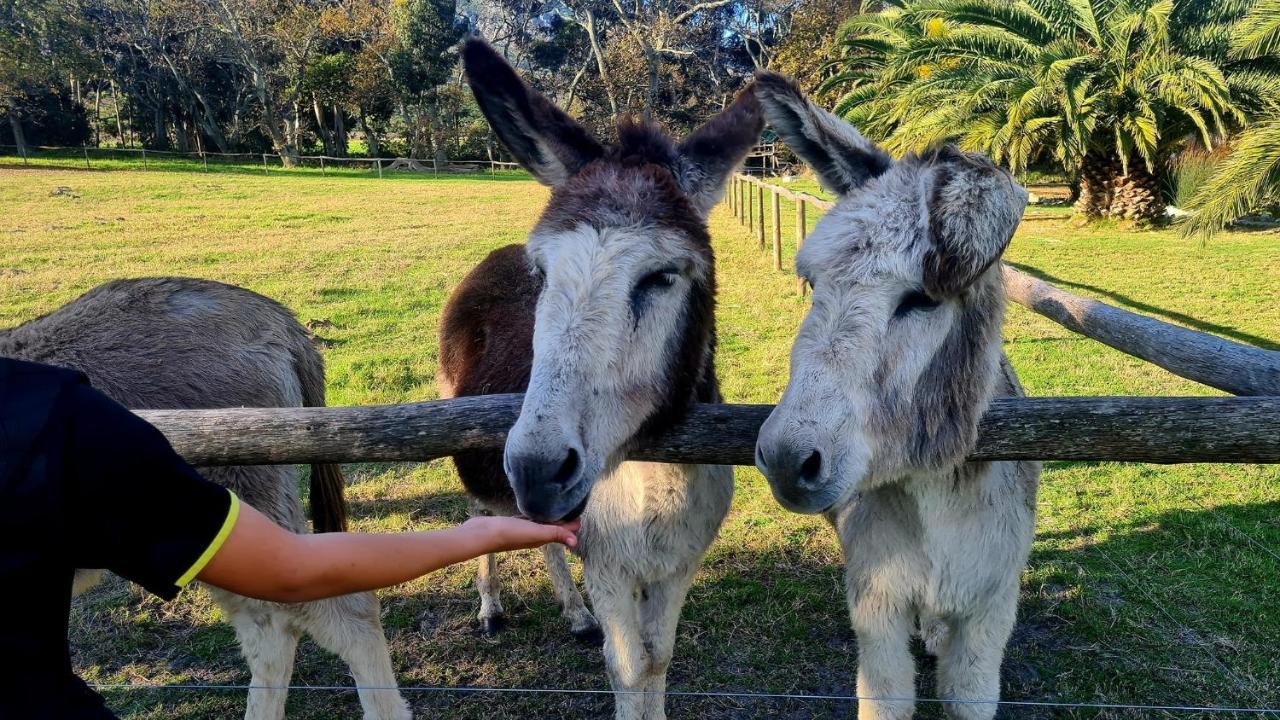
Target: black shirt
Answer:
[[84, 483]]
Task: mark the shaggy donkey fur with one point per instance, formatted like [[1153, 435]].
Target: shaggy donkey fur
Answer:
[[183, 343], [893, 367], [606, 320]]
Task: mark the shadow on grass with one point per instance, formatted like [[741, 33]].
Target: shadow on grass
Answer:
[[1176, 608], [1202, 325]]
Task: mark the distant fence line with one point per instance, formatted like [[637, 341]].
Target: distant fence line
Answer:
[[202, 156]]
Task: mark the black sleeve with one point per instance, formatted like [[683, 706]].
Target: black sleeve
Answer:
[[133, 505]]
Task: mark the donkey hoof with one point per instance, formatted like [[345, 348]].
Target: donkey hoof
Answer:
[[491, 626], [591, 636]]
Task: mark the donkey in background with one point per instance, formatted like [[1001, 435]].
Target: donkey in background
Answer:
[[893, 367], [607, 316], [163, 343]]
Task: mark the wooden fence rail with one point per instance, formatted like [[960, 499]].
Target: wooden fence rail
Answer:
[[1156, 430], [1207, 359]]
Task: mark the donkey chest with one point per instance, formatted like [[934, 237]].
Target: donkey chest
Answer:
[[655, 519], [934, 545]]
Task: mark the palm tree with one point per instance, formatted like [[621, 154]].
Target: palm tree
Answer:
[[1249, 175], [1101, 86]]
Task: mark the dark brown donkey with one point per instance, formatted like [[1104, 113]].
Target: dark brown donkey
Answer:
[[606, 320]]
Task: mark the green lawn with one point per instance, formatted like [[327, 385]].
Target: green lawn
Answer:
[[1148, 584]]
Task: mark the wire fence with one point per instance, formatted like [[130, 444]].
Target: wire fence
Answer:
[[752, 696], [107, 158]]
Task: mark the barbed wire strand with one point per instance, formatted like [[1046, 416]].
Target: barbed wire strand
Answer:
[[693, 694]]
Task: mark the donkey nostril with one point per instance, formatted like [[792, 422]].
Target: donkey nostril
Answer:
[[568, 468], [812, 467], [760, 463]]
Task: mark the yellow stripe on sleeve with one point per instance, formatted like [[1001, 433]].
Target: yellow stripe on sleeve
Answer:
[[215, 545]]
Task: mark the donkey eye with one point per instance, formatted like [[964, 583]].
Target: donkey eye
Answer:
[[913, 301], [656, 280], [652, 283]]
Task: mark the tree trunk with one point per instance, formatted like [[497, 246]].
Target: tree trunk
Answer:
[[160, 133], [651, 86], [595, 50], [180, 132], [19, 138], [322, 128], [339, 132], [370, 137], [97, 114], [115, 97], [1136, 196], [1094, 197]]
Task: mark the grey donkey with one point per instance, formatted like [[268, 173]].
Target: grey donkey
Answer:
[[893, 367], [185, 343]]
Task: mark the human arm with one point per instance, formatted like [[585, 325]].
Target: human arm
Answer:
[[260, 559]]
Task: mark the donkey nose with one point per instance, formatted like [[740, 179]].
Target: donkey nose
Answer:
[[540, 470], [790, 466], [541, 481]]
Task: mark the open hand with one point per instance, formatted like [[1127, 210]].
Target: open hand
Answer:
[[508, 533]]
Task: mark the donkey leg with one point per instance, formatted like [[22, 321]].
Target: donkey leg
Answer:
[[490, 615], [886, 670], [969, 666], [351, 627], [582, 624], [268, 641], [660, 605], [616, 598]]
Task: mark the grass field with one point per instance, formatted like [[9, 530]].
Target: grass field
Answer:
[[1147, 584]]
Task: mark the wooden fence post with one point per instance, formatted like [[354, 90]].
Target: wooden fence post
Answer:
[[760, 207], [777, 231], [379, 168], [264, 165], [322, 165], [751, 205], [86, 156], [742, 196], [204, 158], [802, 229], [144, 158], [733, 194]]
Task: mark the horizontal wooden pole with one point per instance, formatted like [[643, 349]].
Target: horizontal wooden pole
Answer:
[[1155, 430], [1207, 359], [793, 195]]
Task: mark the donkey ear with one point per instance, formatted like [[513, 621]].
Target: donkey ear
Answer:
[[973, 208], [707, 157], [841, 157], [543, 139]]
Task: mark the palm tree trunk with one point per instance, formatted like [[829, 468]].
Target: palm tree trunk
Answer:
[[1136, 196], [1094, 198]]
